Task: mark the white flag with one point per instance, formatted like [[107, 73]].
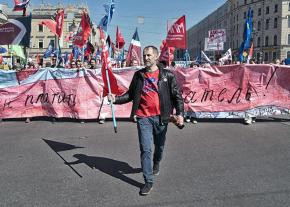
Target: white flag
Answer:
[[227, 56], [203, 55]]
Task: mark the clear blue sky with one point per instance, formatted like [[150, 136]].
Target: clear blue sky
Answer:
[[156, 13]]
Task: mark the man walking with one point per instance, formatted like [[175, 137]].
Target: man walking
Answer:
[[155, 94]]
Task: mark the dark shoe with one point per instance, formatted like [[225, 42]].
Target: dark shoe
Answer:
[[145, 190], [156, 169]]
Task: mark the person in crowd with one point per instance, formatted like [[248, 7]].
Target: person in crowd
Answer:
[[134, 63], [154, 92], [53, 62], [73, 64], [47, 64], [79, 64], [277, 62], [30, 64], [172, 64], [123, 64], [93, 64]]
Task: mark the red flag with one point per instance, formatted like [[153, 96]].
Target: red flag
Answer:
[[106, 65], [250, 53], [120, 42], [167, 53], [59, 22], [51, 25], [134, 52], [176, 35], [55, 26], [20, 5], [82, 35]]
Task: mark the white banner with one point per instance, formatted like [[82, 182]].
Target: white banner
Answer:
[[212, 46], [217, 35]]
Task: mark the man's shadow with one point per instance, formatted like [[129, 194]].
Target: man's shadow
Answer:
[[109, 166]]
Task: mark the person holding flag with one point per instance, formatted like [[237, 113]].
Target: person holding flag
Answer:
[[154, 93]]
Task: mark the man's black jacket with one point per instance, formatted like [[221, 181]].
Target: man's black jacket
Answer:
[[168, 91]]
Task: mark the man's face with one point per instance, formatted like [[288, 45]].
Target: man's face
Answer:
[[93, 63], [149, 57]]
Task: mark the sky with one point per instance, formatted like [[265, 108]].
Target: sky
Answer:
[[157, 14]]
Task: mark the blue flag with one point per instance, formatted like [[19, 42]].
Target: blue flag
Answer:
[[247, 34], [76, 52], [109, 8], [49, 51]]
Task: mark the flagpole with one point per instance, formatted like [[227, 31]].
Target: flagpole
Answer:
[[111, 103], [57, 51], [83, 55], [110, 94]]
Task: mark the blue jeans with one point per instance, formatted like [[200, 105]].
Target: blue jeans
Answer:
[[149, 130]]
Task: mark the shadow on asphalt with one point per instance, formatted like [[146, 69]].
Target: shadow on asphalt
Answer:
[[109, 166]]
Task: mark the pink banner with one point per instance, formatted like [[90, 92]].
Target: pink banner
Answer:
[[72, 94], [235, 87]]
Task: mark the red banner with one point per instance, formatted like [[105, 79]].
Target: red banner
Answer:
[[68, 93], [176, 36]]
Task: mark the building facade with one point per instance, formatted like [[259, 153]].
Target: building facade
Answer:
[[271, 28], [40, 34]]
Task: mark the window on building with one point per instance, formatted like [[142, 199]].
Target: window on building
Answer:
[[259, 12], [267, 41], [245, 2], [288, 54], [245, 15], [274, 56], [40, 28], [267, 24], [40, 43], [289, 7], [237, 29], [276, 22], [276, 8], [259, 25], [267, 10], [288, 22], [288, 39], [258, 42], [238, 44], [266, 56], [275, 41], [237, 17]]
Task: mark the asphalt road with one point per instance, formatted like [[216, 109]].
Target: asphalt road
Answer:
[[220, 164]]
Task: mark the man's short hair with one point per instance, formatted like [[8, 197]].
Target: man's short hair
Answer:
[[155, 50]]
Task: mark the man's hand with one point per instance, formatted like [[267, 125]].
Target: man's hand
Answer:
[[179, 120], [111, 98]]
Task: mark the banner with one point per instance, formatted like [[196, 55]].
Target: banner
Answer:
[[16, 31], [213, 46], [233, 91], [217, 35]]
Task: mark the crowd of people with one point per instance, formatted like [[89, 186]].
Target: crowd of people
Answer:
[[73, 64]]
